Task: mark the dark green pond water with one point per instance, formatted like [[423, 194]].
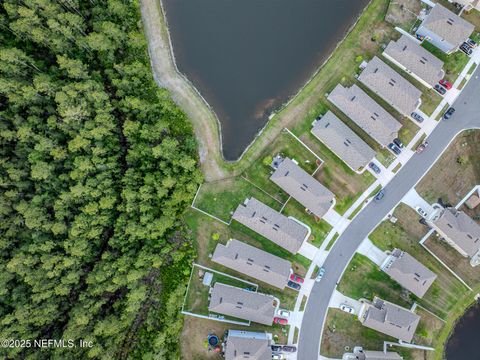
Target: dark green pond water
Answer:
[[463, 344], [248, 57]]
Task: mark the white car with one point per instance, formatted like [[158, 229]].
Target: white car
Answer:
[[347, 309], [421, 211], [283, 313], [277, 357], [320, 274]]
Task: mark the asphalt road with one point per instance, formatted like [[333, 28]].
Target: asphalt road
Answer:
[[467, 116]]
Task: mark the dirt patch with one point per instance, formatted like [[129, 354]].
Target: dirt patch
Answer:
[[403, 13], [461, 160]]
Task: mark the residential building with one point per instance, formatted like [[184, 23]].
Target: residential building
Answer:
[[283, 231], [459, 231], [253, 262], [420, 63], [392, 87], [241, 345], [408, 272], [302, 187], [366, 113], [389, 319], [444, 29], [342, 141], [242, 304], [360, 354]]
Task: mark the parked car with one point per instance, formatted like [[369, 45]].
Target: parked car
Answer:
[[440, 89], [421, 147], [296, 278], [283, 313], [294, 285], [276, 348], [417, 116], [380, 195], [422, 212], [374, 167], [394, 148], [466, 49], [398, 142], [277, 357], [471, 43], [320, 274], [347, 309], [447, 85], [289, 348], [448, 114], [280, 321]]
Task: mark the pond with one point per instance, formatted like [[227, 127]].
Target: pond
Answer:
[[248, 57], [462, 344]]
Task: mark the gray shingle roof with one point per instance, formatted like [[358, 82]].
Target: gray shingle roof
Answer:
[[390, 319], [390, 86], [409, 272], [416, 59], [366, 113], [460, 229], [339, 138], [242, 304], [448, 25], [253, 262], [302, 187], [247, 345], [269, 223]]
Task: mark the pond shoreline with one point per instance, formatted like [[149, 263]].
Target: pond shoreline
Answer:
[[206, 124]]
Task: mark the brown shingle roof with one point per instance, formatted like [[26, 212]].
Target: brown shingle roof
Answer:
[[339, 138], [460, 229], [276, 227], [242, 304], [448, 25], [253, 262], [390, 86], [390, 319], [366, 113], [409, 272], [416, 59], [302, 187]]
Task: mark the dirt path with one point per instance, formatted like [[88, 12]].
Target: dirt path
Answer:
[[204, 120]]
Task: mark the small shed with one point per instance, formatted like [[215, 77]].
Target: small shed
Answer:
[[473, 201], [207, 278]]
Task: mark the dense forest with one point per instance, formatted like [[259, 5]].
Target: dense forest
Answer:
[[97, 165]]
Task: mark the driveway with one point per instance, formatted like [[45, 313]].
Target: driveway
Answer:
[[466, 116], [372, 252]]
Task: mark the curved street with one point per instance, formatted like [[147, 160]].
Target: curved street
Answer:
[[467, 116]]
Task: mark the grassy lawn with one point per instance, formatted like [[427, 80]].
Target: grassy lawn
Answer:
[[195, 332], [360, 207], [364, 279], [428, 330], [454, 63], [461, 157], [332, 242], [286, 145], [430, 100], [342, 329], [320, 228], [385, 157], [405, 235], [452, 258], [473, 16], [221, 198]]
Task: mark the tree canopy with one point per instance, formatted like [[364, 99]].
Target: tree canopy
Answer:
[[97, 165]]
